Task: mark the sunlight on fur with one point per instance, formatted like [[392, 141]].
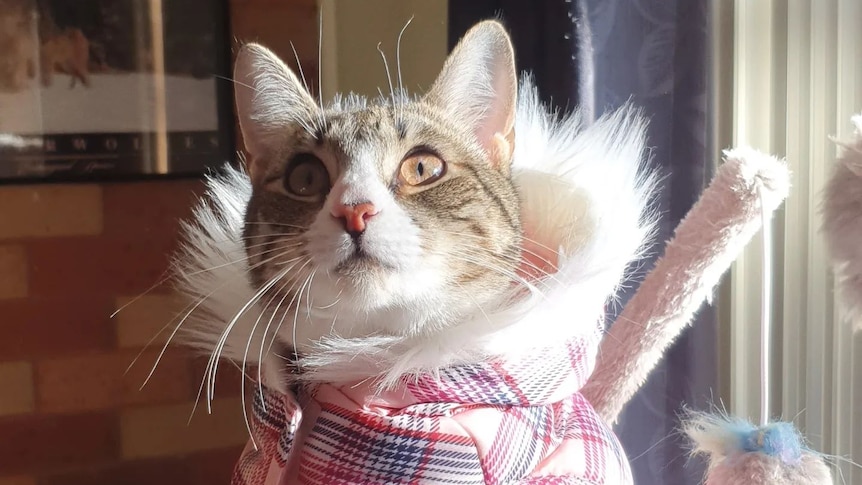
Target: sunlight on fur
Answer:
[[413, 240], [592, 171]]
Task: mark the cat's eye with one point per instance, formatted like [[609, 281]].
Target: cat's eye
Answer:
[[421, 169], [306, 176]]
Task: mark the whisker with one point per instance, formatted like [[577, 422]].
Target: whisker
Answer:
[[280, 224], [311, 132], [501, 271], [216, 355], [266, 331], [150, 342], [197, 400], [308, 304], [320, 64], [290, 237], [299, 65], [238, 83], [293, 244], [283, 248], [284, 315], [186, 313], [482, 310], [269, 323], [398, 66], [308, 129], [511, 259], [337, 299], [503, 258], [546, 274], [245, 361], [166, 276], [388, 77], [477, 260], [499, 258], [332, 327], [282, 263], [486, 238], [296, 317], [282, 251]]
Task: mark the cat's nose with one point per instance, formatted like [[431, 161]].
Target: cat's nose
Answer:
[[354, 216]]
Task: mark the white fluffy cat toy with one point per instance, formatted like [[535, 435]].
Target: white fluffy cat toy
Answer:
[[416, 285]]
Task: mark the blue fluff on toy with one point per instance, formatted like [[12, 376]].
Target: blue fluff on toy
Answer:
[[740, 452], [779, 439]]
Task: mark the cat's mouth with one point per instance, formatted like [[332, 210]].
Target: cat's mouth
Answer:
[[361, 262]]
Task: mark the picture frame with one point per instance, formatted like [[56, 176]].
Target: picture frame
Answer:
[[96, 90]]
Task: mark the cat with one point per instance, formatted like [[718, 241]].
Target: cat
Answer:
[[453, 250], [378, 192]]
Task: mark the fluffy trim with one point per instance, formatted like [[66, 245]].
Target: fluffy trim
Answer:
[[585, 192], [842, 223], [211, 269]]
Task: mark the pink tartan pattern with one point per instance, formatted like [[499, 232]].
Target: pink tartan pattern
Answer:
[[507, 422]]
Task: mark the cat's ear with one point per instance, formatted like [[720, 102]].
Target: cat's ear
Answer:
[[269, 98], [478, 87]]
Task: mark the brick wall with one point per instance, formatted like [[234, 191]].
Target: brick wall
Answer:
[[70, 412]]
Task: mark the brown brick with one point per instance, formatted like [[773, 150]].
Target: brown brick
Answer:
[[148, 209], [276, 25], [148, 318], [50, 210], [98, 266], [204, 468], [47, 443], [167, 471], [13, 272], [16, 382], [174, 434], [100, 381], [213, 467], [19, 480], [40, 327]]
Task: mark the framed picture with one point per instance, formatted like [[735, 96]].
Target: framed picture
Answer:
[[111, 89]]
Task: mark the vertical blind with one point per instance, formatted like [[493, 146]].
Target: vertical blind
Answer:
[[796, 76]]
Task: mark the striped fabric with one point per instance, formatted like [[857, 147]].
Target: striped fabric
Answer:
[[507, 422]]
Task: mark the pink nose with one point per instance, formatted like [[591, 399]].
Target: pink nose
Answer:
[[354, 216]]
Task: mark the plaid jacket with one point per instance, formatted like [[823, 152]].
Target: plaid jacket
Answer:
[[507, 422]]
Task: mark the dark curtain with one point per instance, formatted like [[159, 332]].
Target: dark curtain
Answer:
[[551, 39], [598, 54], [656, 53]]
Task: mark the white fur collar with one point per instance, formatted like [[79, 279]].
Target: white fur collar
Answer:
[[584, 190]]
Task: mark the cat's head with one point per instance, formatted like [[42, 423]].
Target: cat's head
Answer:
[[388, 216]]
